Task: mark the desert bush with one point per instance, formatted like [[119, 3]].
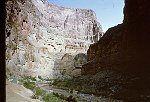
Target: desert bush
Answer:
[[40, 78], [51, 98], [39, 92], [29, 85], [27, 78], [28, 82]]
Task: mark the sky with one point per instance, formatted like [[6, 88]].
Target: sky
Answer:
[[109, 12]]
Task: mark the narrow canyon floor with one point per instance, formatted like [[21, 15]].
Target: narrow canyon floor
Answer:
[[59, 54], [24, 91]]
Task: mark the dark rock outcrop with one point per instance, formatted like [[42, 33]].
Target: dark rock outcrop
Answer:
[[124, 49], [79, 60]]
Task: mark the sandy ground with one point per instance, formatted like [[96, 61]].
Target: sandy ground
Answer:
[[18, 93]]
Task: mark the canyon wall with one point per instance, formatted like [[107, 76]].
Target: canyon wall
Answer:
[[41, 36], [124, 47], [119, 62]]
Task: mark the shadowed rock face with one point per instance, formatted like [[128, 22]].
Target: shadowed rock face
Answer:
[[39, 33], [124, 47], [70, 65], [136, 11], [124, 50], [79, 60]]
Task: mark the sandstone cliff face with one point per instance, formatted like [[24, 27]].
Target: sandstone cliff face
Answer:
[[124, 47], [38, 34]]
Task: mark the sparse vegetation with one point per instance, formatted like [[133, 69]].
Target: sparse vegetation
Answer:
[[27, 78], [29, 85], [76, 84], [39, 92], [8, 73], [40, 78], [51, 98], [73, 86], [46, 97], [29, 82]]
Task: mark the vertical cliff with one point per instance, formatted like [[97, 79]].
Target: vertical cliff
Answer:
[[39, 34], [120, 59], [124, 47]]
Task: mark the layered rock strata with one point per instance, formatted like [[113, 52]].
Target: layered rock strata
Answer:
[[38, 34]]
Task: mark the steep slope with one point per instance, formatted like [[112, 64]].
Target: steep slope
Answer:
[[123, 52], [39, 34], [124, 47], [17, 93]]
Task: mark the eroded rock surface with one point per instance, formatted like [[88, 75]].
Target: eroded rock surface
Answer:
[[38, 34]]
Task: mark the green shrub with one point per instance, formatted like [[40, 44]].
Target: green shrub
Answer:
[[32, 78], [51, 98], [63, 97], [39, 92], [61, 83], [29, 85], [21, 80], [40, 77], [27, 78]]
